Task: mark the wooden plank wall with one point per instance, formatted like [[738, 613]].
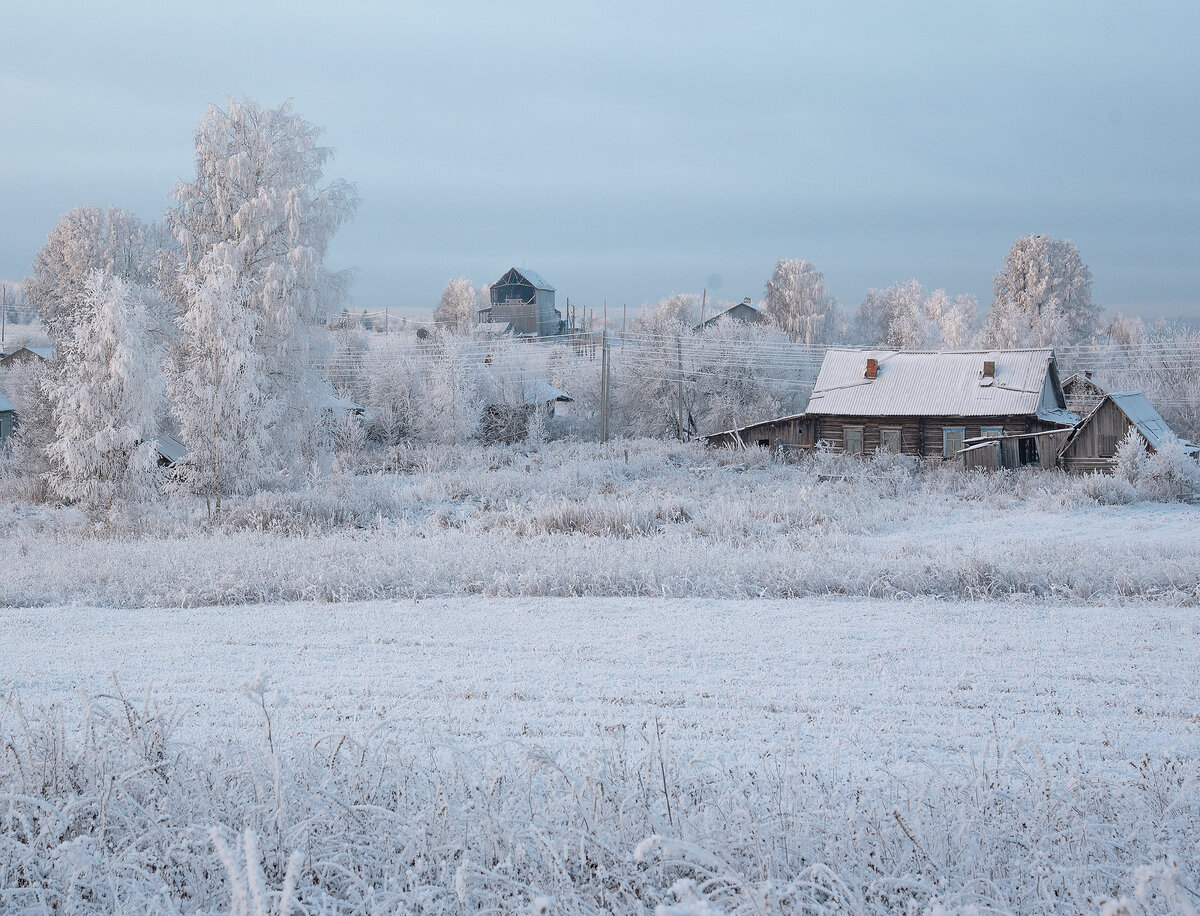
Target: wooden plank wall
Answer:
[[1096, 440]]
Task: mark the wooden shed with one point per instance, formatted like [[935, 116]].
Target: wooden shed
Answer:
[[1092, 445]]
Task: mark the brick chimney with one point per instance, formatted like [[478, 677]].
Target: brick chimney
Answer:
[[872, 368]]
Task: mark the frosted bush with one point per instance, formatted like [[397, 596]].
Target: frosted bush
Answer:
[[1167, 474]]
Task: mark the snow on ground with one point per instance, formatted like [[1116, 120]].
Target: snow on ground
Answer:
[[649, 519], [850, 755], [885, 680]]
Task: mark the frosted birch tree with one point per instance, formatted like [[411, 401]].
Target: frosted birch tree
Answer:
[[89, 239], [257, 206], [1042, 296], [797, 303], [457, 310], [104, 389], [906, 317], [217, 385]]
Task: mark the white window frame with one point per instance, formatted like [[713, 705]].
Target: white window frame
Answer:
[[885, 431], [991, 432], [947, 452], [862, 439]]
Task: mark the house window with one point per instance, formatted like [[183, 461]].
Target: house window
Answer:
[[889, 439], [991, 432], [952, 440], [852, 440], [764, 443], [5, 429]]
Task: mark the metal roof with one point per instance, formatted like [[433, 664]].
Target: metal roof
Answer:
[[1142, 415], [170, 448], [5, 404], [939, 384], [535, 279]]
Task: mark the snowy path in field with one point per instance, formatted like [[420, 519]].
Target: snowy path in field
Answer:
[[860, 682]]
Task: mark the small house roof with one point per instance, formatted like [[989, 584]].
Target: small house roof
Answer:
[[46, 353], [6, 406], [1076, 379], [742, 311], [534, 390], [940, 383], [1142, 415], [538, 391], [169, 448]]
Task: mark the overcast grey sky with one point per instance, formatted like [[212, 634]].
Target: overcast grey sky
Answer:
[[627, 151]]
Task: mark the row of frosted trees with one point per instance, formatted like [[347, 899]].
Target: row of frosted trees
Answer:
[[200, 326]]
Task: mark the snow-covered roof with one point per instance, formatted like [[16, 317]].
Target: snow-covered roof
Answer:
[[1142, 415], [5, 404], [341, 405], [946, 384], [170, 448], [538, 391], [534, 391], [46, 353], [1076, 379], [535, 279]]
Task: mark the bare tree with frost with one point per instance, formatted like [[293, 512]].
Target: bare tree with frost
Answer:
[[105, 389], [257, 206], [217, 385], [457, 310], [797, 303], [1043, 296]]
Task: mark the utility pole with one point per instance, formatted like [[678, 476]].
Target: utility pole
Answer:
[[604, 388], [703, 303], [679, 358], [624, 310], [3, 313]]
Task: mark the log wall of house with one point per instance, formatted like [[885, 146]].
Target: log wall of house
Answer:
[[920, 437], [1095, 442]]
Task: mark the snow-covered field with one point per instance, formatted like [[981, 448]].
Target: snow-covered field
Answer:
[[634, 519], [760, 756]]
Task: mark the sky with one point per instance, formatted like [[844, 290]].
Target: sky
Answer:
[[627, 151]]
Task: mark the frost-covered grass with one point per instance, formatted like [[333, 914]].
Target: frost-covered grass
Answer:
[[602, 756], [638, 518]]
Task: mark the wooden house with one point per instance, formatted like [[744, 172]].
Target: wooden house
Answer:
[[924, 404], [23, 355], [8, 420], [1082, 393], [1092, 445], [523, 299], [743, 312]]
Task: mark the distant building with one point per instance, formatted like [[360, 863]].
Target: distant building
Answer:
[[8, 419], [524, 300], [1093, 444], [1082, 393], [743, 312], [27, 355]]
